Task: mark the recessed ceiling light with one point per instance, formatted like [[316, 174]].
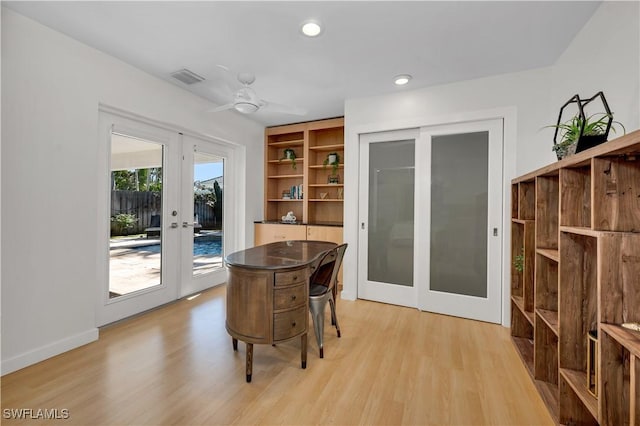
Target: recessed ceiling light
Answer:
[[401, 80], [311, 28]]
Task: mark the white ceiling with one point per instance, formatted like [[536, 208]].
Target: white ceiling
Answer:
[[363, 46]]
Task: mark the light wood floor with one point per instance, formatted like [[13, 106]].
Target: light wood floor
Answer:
[[393, 365]]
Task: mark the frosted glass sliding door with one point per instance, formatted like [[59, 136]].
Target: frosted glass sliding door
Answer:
[[459, 174], [388, 190]]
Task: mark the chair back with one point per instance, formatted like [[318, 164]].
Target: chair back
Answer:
[[323, 268], [338, 262]]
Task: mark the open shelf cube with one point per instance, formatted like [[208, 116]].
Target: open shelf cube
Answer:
[[616, 193], [577, 406], [577, 299], [522, 334], [545, 352], [575, 197], [546, 283], [620, 382], [547, 210], [527, 200]]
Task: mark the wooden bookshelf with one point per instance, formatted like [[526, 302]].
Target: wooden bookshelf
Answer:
[[315, 200], [577, 222]]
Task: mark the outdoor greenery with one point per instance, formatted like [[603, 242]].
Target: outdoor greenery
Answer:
[[202, 193], [137, 180], [124, 221]]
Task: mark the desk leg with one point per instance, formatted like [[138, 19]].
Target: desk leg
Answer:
[[249, 361], [234, 341], [303, 353]]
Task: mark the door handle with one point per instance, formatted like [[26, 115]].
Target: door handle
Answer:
[[187, 224]]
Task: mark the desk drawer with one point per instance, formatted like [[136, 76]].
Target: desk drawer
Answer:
[[289, 297], [293, 277], [290, 323]]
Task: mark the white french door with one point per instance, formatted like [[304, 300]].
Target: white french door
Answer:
[[204, 211], [162, 217], [430, 218]]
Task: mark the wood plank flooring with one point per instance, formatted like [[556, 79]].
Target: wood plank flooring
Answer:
[[392, 365]]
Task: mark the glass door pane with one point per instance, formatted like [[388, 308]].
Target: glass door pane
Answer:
[[135, 248], [391, 201], [459, 182], [208, 188]]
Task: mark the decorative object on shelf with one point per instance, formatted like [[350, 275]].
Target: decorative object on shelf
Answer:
[[289, 218], [333, 179], [340, 193], [592, 362], [518, 261], [632, 326], [333, 160], [323, 195], [296, 192], [582, 132], [290, 154], [286, 195]]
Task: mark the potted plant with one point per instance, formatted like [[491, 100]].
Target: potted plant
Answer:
[[518, 261], [582, 132], [591, 131], [289, 154], [333, 160]]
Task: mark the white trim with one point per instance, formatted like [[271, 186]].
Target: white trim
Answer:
[[351, 189], [47, 351]]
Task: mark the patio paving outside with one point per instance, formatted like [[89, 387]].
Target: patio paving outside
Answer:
[[133, 268]]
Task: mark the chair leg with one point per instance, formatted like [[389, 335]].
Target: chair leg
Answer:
[[317, 307], [334, 317]]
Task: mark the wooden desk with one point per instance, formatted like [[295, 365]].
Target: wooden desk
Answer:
[[268, 294]]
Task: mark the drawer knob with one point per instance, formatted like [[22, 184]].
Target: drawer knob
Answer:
[[295, 277], [293, 324], [293, 297]]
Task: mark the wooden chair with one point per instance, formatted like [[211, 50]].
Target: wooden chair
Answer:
[[322, 283]]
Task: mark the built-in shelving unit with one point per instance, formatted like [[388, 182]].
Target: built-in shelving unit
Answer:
[[577, 224], [315, 200]]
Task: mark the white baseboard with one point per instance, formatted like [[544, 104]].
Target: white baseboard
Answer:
[[347, 295], [40, 354]]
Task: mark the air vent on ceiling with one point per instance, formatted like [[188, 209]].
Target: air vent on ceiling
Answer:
[[186, 76]]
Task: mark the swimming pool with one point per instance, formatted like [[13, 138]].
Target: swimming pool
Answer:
[[202, 246]]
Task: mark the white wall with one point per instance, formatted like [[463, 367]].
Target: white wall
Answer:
[[603, 56], [51, 88]]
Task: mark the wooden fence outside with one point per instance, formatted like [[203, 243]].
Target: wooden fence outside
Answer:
[[144, 204]]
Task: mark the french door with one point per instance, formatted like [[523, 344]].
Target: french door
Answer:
[[430, 219], [162, 216]]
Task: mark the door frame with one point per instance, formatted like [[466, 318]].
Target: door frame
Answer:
[[351, 213], [234, 235]]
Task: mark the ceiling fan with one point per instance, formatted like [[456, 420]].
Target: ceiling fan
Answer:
[[246, 101]]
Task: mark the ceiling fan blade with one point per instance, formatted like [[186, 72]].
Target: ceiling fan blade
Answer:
[[286, 109], [221, 108]]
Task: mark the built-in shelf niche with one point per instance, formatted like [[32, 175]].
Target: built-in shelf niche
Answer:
[[547, 210]]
